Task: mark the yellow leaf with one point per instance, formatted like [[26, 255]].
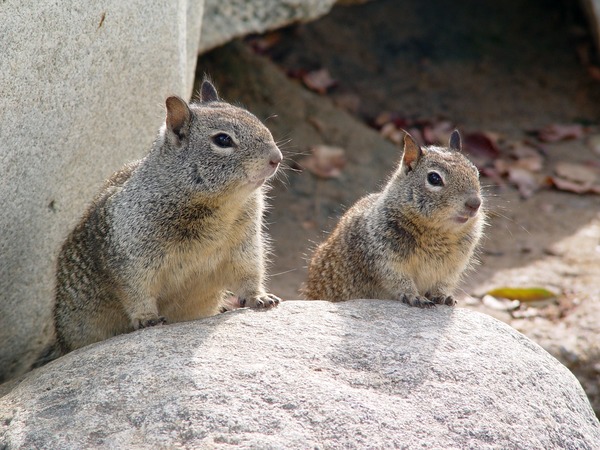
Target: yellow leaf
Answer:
[[529, 294]]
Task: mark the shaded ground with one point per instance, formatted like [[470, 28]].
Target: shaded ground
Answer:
[[505, 67]]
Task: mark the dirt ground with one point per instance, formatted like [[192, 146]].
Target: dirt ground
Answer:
[[507, 68]]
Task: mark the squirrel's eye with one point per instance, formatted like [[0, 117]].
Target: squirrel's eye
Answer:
[[434, 179], [222, 140]]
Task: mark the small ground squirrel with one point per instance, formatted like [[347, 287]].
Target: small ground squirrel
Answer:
[[410, 242], [169, 233]]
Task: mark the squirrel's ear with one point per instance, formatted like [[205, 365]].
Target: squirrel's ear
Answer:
[[208, 93], [178, 119], [412, 153], [455, 143]]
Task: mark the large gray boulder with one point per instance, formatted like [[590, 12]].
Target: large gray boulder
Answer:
[[359, 374]]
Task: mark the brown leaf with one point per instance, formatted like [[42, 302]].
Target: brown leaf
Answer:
[[526, 182], [482, 147], [527, 157], [325, 161], [530, 164], [502, 166], [560, 132], [572, 186], [576, 172], [438, 133], [319, 81]]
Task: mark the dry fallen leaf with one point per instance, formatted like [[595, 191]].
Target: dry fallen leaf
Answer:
[[576, 172], [319, 81], [438, 133], [527, 157], [572, 186], [482, 147], [560, 132], [526, 181], [325, 161], [530, 164]]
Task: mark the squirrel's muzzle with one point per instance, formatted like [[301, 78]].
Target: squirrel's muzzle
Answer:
[[472, 204], [275, 160]]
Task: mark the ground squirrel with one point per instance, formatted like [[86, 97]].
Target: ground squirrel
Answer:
[[410, 242], [169, 233]]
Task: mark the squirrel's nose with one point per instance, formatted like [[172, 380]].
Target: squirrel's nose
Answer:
[[275, 159], [473, 204]]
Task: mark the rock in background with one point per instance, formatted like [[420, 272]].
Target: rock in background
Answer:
[[82, 88], [234, 18], [357, 374]]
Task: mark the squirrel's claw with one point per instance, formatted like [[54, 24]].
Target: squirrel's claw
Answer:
[[260, 301], [443, 300], [418, 301], [150, 322]]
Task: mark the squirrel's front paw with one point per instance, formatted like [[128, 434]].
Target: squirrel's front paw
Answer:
[[443, 300], [260, 301], [148, 322], [417, 300]]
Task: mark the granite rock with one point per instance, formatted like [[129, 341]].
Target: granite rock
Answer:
[[357, 374]]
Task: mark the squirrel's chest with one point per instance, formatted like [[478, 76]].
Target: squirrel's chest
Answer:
[[438, 263], [200, 257], [204, 255]]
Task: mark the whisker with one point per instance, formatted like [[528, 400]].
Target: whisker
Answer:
[[282, 142], [282, 273]]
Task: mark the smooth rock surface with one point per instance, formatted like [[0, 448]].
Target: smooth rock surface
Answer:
[[358, 374], [228, 19], [82, 89]]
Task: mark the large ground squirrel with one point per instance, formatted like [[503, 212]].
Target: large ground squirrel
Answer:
[[169, 233], [410, 242]]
